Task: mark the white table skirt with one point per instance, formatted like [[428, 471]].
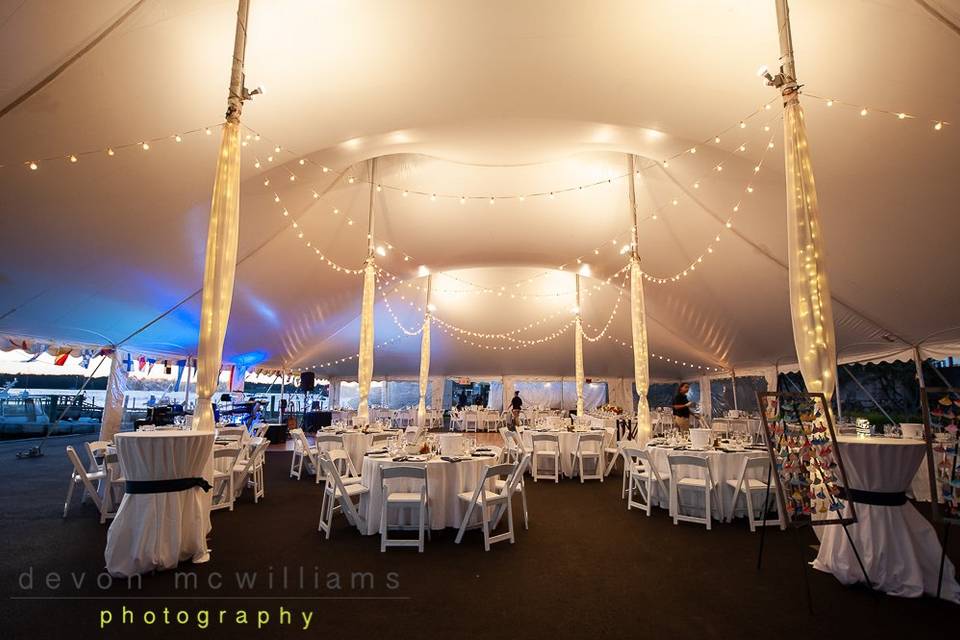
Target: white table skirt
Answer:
[[898, 546], [568, 445], [158, 530], [723, 466], [444, 481]]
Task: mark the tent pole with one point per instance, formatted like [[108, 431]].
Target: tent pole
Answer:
[[186, 392], [220, 257], [918, 362], [365, 352], [733, 382]]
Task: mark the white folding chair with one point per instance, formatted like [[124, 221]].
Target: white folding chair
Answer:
[[302, 451], [512, 453], [456, 421], [680, 478], [491, 505], [746, 486], [83, 476], [224, 497], [590, 449], [517, 486], [96, 452], [413, 500], [344, 465], [546, 447], [334, 492], [641, 475], [115, 486], [249, 472], [470, 420]]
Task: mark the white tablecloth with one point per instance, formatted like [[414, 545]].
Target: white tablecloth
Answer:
[[898, 546], [568, 445], [355, 443], [158, 530], [723, 466], [444, 481]]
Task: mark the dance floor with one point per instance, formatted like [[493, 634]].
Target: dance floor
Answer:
[[585, 567]]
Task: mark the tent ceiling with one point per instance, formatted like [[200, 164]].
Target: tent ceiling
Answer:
[[471, 99]]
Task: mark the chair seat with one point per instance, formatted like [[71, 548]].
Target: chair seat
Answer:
[[751, 482], [400, 496], [490, 496], [96, 475], [354, 489], [354, 480], [692, 482]]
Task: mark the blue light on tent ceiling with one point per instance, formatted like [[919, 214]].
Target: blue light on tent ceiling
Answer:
[[250, 358]]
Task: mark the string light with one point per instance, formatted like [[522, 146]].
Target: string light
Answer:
[[936, 123], [73, 158]]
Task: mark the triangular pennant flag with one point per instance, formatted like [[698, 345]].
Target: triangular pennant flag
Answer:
[[141, 363], [151, 362], [129, 362], [166, 367], [61, 356]]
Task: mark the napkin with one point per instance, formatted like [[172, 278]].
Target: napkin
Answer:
[[480, 454], [401, 458], [376, 451], [449, 459]]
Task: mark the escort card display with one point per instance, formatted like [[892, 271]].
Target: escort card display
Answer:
[[803, 452], [941, 417]]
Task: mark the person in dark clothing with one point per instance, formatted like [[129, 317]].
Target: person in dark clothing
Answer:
[[681, 407], [462, 400], [516, 406]]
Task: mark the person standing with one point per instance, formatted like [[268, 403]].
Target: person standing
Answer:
[[681, 407], [516, 406]]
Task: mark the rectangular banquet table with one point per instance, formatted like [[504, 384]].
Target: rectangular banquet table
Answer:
[[160, 523], [898, 546]]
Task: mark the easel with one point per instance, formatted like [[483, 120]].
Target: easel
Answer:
[[934, 494], [794, 524]]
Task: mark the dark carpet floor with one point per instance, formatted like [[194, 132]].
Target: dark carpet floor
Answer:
[[585, 568]]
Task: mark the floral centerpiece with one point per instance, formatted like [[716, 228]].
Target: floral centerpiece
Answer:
[[612, 408]]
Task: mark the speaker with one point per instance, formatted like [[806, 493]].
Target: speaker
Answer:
[[307, 381]]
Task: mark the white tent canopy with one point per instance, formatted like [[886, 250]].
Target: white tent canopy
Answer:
[[478, 100]]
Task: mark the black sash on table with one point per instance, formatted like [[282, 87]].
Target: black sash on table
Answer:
[[166, 486], [877, 498]]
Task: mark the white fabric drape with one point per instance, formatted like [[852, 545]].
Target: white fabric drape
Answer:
[[218, 273], [641, 365], [579, 361], [113, 400], [424, 369], [436, 392], [810, 305], [365, 359]]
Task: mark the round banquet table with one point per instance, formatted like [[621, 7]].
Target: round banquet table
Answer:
[[158, 530], [444, 481], [355, 443], [723, 466], [898, 546], [568, 445]]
